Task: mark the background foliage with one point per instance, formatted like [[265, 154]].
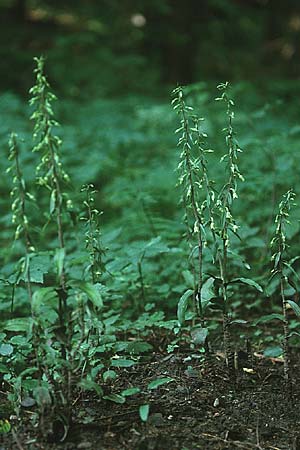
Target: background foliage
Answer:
[[112, 47]]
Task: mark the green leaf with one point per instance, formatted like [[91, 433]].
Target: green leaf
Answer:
[[28, 384], [22, 324], [138, 347], [188, 278], [42, 396], [116, 398], [6, 349], [159, 382], [199, 335], [207, 292], [144, 412], [43, 296], [238, 322], [131, 391], [122, 363], [59, 260], [52, 202], [4, 368], [90, 385], [247, 281], [28, 402], [295, 307], [91, 290], [268, 318], [182, 306], [109, 375], [5, 426], [289, 266], [38, 266], [273, 352]]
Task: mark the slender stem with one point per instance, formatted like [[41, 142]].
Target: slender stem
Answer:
[[285, 346], [141, 279], [92, 234]]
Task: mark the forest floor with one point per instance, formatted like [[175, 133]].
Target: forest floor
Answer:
[[200, 409]]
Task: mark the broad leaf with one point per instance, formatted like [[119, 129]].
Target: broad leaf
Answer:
[[38, 266], [138, 347], [6, 349], [22, 324], [91, 290], [207, 292], [199, 335], [273, 352], [182, 306], [43, 296]]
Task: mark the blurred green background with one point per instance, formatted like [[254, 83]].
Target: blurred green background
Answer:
[[97, 47]]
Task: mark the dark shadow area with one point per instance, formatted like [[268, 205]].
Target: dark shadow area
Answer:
[[112, 47]]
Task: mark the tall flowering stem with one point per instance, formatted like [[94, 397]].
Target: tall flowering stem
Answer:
[[50, 174], [197, 194], [93, 234], [280, 245], [226, 221], [20, 196]]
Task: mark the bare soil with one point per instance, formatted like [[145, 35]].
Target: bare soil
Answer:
[[200, 409]]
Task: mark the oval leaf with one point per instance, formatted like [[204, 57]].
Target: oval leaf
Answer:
[[6, 349], [5, 426], [144, 412], [159, 382], [130, 391]]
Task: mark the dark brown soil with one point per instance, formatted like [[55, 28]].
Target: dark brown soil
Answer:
[[200, 409]]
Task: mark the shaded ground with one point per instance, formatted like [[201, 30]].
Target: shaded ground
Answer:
[[200, 409]]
